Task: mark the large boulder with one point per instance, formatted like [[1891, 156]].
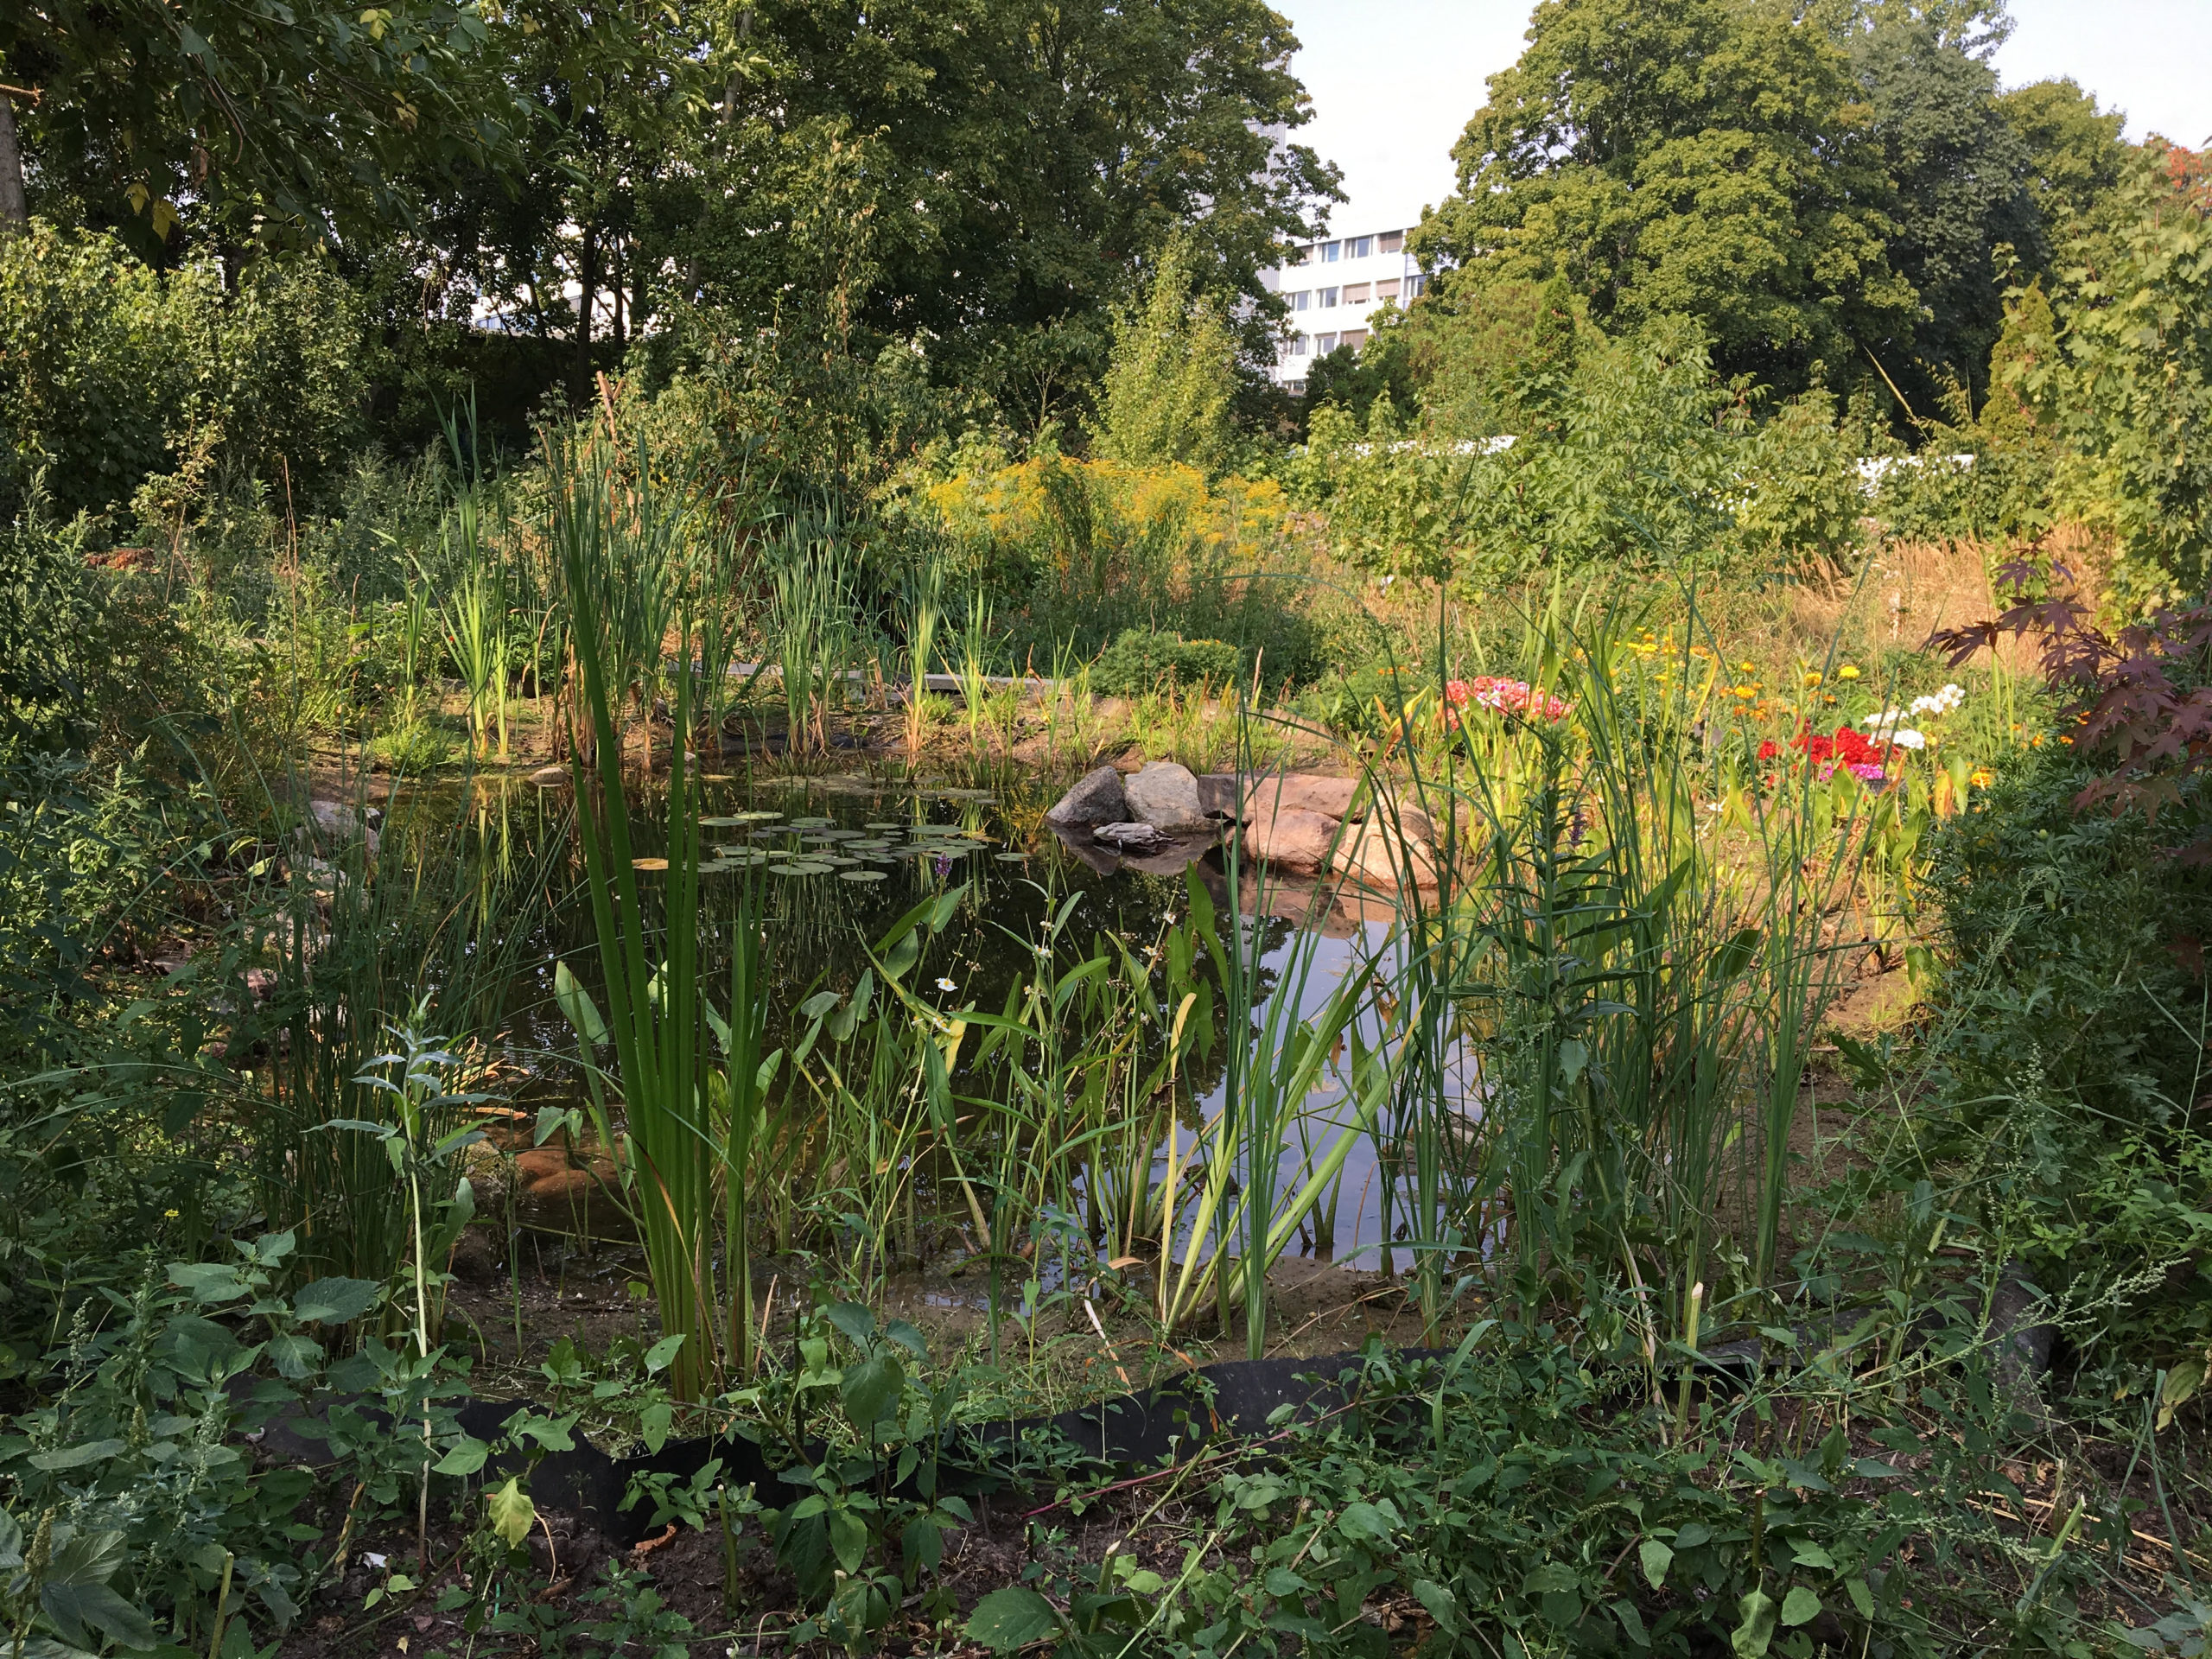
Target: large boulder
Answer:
[[1300, 792], [1096, 797], [1165, 795], [1293, 842]]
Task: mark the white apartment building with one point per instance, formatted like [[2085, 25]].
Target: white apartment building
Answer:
[[1331, 288]]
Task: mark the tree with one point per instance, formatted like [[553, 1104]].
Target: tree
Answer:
[[987, 178], [1173, 375], [1706, 158], [2076, 160], [2131, 376], [1955, 164], [152, 113]]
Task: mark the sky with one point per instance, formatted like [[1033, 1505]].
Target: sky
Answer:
[[1394, 83]]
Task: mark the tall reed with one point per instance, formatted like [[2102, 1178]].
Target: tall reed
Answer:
[[628, 561]]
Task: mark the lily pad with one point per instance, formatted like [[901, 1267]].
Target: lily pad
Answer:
[[1011, 858], [798, 867], [861, 875], [759, 815], [719, 823], [812, 824]]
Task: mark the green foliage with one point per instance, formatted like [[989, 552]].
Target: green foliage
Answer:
[[46, 606], [2076, 159], [1172, 376], [130, 1459], [113, 374], [2133, 381], [1707, 159], [1954, 162], [1144, 659], [1522, 1500], [1647, 463], [2068, 1039], [275, 121]]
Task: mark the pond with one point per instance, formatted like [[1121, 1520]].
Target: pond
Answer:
[[838, 860]]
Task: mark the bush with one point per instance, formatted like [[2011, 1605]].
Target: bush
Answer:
[[2070, 1036], [112, 373], [1143, 659], [44, 608]]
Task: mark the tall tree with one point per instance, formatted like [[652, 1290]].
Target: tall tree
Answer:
[[1711, 159], [295, 118], [1956, 165], [2075, 160], [989, 177]]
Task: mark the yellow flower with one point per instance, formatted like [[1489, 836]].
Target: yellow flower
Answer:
[[1746, 692], [1812, 677], [168, 1215], [1982, 778], [1846, 672], [1746, 668]]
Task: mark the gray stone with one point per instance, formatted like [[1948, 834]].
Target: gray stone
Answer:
[[1165, 795], [550, 777], [1096, 798], [1217, 795], [1130, 837]]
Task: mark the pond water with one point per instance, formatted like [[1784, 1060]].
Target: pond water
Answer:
[[840, 859]]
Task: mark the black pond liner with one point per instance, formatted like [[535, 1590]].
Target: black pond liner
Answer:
[[1170, 1422]]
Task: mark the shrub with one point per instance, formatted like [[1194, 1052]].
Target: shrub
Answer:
[[112, 373], [1142, 659]]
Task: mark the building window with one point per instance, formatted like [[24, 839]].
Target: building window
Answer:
[[1416, 285], [1330, 249], [1295, 388], [1324, 344], [1303, 255], [1356, 293], [1354, 339], [1298, 345], [1359, 247], [1300, 300], [1327, 298], [1386, 288], [1391, 242]]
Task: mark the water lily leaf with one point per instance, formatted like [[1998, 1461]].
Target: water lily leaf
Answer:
[[861, 875]]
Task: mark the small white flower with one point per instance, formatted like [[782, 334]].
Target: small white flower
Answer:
[[945, 984], [1908, 739]]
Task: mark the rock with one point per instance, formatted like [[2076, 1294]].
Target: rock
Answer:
[[1300, 792], [1293, 842], [1096, 798], [1378, 855], [1133, 837], [550, 777], [1217, 795], [341, 823], [1165, 795]]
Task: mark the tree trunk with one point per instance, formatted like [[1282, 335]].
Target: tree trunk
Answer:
[[15, 213], [588, 282]]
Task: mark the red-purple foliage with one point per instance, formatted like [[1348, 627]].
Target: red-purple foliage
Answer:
[[2139, 701]]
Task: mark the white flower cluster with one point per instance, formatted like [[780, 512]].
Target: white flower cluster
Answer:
[[1890, 726]]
